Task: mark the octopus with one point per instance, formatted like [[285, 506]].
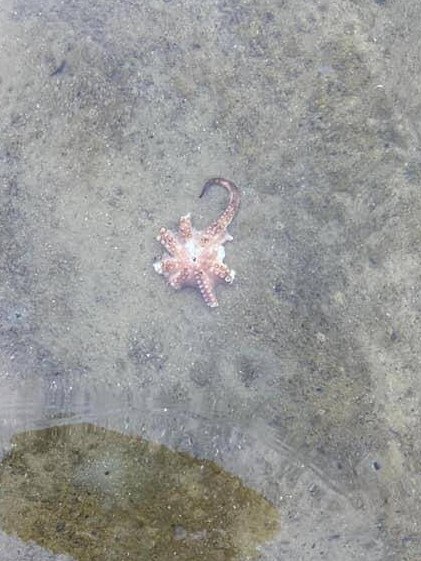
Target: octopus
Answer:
[[196, 258]]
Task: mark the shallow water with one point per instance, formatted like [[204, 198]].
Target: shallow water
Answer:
[[304, 382], [96, 494]]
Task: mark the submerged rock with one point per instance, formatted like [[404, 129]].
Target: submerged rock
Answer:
[[99, 495]]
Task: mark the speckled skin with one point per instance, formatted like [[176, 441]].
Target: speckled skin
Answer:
[[195, 258]]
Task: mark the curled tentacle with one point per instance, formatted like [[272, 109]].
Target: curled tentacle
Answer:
[[224, 220]]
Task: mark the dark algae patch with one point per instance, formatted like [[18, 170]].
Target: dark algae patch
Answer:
[[99, 495]]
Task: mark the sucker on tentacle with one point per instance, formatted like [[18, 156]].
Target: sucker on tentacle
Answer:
[[196, 258]]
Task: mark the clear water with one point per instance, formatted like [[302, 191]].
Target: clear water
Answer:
[[303, 386]]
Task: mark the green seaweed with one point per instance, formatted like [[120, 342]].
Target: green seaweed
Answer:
[[100, 495]]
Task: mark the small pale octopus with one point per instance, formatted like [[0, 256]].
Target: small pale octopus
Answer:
[[196, 258]]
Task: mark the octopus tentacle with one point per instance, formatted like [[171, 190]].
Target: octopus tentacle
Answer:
[[185, 226], [223, 272], [177, 280], [225, 219], [206, 288], [168, 240]]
